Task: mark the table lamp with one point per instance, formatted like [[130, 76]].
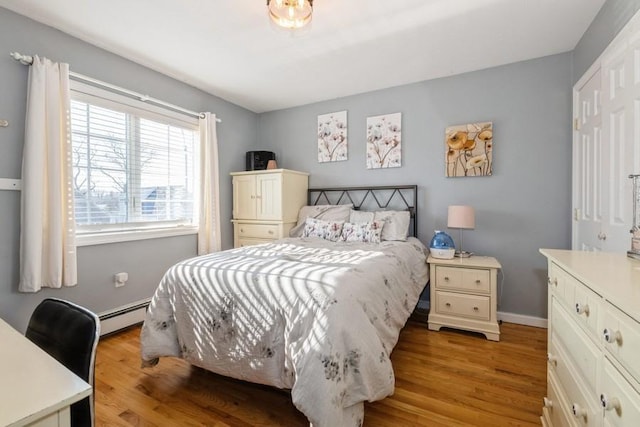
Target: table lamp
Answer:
[[461, 217]]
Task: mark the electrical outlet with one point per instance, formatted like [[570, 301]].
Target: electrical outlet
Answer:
[[120, 279]]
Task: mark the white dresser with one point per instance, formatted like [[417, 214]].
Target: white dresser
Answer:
[[266, 204], [593, 370]]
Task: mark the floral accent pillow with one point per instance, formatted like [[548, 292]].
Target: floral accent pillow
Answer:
[[328, 230], [324, 212], [368, 232]]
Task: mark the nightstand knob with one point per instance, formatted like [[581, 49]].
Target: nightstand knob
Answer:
[[475, 308], [242, 230], [446, 278], [609, 403], [582, 308], [478, 281], [448, 304]]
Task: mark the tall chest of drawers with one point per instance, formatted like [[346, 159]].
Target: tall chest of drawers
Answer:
[[593, 369]]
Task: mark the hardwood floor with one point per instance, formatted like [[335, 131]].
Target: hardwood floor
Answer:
[[446, 378]]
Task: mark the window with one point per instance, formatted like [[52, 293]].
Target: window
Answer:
[[135, 167]]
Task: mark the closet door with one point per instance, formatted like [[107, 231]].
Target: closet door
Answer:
[[621, 125], [588, 159], [606, 146]]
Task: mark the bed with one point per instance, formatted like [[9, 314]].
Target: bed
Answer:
[[314, 316]]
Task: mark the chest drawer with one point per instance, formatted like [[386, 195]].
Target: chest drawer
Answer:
[[471, 306], [621, 337], [620, 401], [258, 231], [466, 279]]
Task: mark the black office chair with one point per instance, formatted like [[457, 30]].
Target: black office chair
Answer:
[[70, 334]]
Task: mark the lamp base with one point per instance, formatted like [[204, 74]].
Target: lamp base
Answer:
[[463, 254]]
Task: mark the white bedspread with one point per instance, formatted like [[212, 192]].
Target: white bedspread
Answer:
[[317, 317]]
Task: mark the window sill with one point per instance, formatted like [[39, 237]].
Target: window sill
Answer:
[[91, 239]]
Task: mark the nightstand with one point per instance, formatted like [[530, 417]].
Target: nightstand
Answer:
[[464, 294]]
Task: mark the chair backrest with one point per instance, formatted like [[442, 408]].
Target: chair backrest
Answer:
[[70, 334]]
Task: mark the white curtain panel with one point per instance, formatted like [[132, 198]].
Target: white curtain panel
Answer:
[[209, 229], [47, 234]]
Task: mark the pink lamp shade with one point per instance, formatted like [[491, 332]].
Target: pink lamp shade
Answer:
[[461, 217]]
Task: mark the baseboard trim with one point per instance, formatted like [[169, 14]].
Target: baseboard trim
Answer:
[[123, 317], [521, 319]]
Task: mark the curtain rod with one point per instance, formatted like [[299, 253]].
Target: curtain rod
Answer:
[[28, 60]]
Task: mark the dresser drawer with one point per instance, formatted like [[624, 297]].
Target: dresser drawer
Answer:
[[621, 337], [555, 406], [585, 306], [585, 356], [471, 306], [620, 401], [580, 405], [258, 231], [467, 279]]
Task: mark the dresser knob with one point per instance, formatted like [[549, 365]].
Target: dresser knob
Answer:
[[253, 197], [448, 304], [548, 403], [475, 309], [553, 281], [446, 278], [242, 230], [552, 359], [578, 411], [609, 403], [478, 281], [582, 308], [611, 336]]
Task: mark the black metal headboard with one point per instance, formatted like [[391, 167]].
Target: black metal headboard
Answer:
[[397, 197]]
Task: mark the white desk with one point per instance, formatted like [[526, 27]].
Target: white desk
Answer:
[[35, 389]]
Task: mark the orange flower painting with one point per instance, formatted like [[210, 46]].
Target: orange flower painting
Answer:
[[469, 149]]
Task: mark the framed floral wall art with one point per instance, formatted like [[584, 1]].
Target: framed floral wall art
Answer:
[[384, 141], [469, 150], [332, 137]]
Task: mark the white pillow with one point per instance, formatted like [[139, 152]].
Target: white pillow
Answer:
[[328, 230], [324, 212], [368, 232], [396, 224], [356, 217]]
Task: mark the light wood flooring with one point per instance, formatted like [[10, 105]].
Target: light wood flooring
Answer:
[[446, 378]]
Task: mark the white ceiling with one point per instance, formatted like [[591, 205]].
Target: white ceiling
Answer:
[[228, 47]]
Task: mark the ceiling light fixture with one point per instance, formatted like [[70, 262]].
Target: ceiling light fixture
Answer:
[[290, 14]]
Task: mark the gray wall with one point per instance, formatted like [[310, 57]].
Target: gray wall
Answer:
[[611, 18], [145, 260], [524, 206]]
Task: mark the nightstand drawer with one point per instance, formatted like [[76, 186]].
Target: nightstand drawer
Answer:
[[258, 231], [471, 306], [242, 242], [467, 279]]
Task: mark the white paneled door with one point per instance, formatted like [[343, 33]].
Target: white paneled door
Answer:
[[607, 145], [588, 162]]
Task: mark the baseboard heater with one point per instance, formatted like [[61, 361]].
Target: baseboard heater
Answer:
[[123, 317]]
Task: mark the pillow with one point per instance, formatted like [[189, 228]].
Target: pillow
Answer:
[[396, 224], [368, 232], [324, 212], [328, 230], [356, 217]]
